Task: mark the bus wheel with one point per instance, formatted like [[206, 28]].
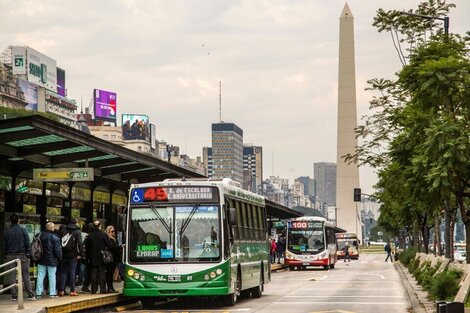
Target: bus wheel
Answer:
[[147, 302], [326, 267], [291, 268], [257, 292], [232, 298]]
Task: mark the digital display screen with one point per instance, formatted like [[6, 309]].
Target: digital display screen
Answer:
[[135, 127], [105, 104], [175, 194], [304, 225]]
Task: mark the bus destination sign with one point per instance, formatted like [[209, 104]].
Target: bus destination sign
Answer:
[[175, 194], [305, 225]]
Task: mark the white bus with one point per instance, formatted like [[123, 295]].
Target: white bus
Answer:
[[311, 241]]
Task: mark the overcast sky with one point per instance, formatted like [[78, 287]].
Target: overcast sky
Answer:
[[277, 60]]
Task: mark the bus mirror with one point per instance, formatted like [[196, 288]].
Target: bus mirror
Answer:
[[232, 216]]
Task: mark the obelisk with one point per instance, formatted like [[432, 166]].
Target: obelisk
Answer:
[[347, 175]]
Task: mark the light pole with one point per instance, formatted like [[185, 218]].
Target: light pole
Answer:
[[429, 17]]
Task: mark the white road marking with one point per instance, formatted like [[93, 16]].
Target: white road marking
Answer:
[[332, 302], [356, 296]]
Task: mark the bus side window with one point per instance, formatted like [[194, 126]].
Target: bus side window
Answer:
[[228, 231], [240, 231]]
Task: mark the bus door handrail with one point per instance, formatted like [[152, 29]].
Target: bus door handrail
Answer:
[[18, 284]]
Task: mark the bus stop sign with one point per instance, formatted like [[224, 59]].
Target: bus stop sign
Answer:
[[63, 174]]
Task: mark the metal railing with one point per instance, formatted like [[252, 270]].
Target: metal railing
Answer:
[[19, 284]]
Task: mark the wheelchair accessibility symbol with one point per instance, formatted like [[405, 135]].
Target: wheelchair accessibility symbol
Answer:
[[137, 196]]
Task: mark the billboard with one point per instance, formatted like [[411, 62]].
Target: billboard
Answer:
[[153, 136], [61, 82], [41, 69], [135, 127], [30, 91], [18, 58], [104, 105]]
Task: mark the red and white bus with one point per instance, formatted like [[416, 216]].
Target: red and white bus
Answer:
[[353, 243], [311, 241]]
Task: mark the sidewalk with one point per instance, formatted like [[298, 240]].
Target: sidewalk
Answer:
[[418, 297], [70, 304], [63, 304]]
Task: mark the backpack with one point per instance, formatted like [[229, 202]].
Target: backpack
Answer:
[[68, 241], [36, 248]]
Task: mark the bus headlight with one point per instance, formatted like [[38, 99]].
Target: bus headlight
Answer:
[[218, 271], [206, 277], [142, 278], [289, 256], [136, 275], [212, 275], [323, 254], [130, 272]]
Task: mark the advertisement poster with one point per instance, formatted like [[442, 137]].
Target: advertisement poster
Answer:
[[61, 82], [42, 70], [135, 127], [18, 60], [30, 91], [105, 105]]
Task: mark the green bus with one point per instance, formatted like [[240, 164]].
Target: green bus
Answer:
[[198, 237]]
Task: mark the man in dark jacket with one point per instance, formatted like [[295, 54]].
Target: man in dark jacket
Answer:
[[17, 246], [72, 250], [51, 255], [97, 242]]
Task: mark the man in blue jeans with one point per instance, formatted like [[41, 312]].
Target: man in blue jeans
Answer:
[[17, 246], [51, 255], [72, 250]]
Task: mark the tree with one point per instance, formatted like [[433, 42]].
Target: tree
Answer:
[[419, 129]]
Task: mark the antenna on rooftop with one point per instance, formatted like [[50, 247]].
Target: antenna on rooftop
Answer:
[[220, 101]]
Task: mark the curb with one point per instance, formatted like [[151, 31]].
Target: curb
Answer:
[[419, 304]]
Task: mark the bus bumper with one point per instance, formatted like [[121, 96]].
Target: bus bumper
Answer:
[[319, 262], [175, 292]]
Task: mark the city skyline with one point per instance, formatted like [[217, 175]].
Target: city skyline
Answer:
[[277, 61]]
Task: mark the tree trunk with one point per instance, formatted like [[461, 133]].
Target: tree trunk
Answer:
[[467, 239], [425, 232], [448, 217], [437, 237]]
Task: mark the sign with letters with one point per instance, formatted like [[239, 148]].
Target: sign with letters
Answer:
[[63, 174]]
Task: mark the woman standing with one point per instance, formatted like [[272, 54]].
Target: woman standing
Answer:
[[111, 267]]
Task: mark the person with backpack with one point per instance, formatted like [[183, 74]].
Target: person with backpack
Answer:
[[96, 244], [50, 257], [72, 250], [280, 247], [17, 246]]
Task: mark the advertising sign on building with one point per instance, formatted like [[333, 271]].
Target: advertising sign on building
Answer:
[[135, 127], [61, 82], [153, 136], [18, 60], [104, 105], [30, 91], [41, 69]]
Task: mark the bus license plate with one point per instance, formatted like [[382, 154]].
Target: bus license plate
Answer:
[[305, 263], [174, 278]]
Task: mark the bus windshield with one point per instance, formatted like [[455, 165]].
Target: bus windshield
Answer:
[[181, 233], [305, 237]]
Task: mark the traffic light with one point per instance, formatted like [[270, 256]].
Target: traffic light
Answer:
[[357, 194]]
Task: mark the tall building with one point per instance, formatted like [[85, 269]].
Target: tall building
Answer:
[[309, 185], [348, 215], [227, 151], [252, 167], [325, 181]]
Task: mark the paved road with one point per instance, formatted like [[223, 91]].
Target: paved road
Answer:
[[366, 285]]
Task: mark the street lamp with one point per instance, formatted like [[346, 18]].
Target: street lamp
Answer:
[[429, 17]]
